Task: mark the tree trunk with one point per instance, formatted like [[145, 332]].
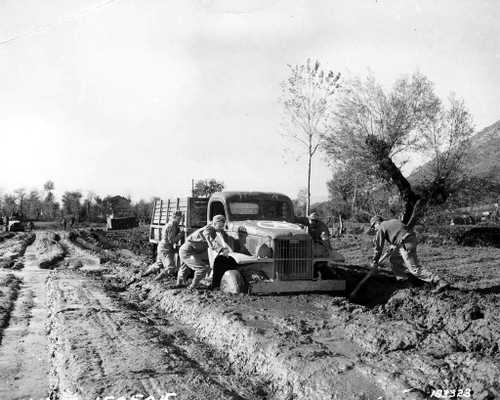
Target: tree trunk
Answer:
[[393, 174], [353, 205], [308, 201]]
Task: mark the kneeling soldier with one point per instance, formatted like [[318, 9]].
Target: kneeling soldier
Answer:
[[194, 252], [165, 253]]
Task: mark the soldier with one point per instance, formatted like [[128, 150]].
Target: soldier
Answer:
[[320, 235], [165, 252], [194, 252], [402, 240]]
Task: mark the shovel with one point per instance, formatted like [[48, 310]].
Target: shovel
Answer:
[[372, 271]]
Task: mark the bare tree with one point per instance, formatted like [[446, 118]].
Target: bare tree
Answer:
[[447, 141], [20, 195], [373, 126], [307, 96]]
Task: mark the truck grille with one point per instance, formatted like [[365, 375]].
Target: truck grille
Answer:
[[293, 259]]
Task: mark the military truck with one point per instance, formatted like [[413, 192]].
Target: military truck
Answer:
[[273, 253]]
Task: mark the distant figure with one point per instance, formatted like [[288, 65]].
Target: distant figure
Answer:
[[320, 235], [6, 223], [63, 223], [72, 222]]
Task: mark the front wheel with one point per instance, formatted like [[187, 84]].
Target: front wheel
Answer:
[[232, 282]]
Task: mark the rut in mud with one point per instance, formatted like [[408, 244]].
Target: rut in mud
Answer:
[[24, 361]]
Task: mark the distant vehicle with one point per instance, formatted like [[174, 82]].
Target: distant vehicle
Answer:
[[16, 225], [464, 219], [272, 249]]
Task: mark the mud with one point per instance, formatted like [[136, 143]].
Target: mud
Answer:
[[136, 240], [91, 326], [101, 348], [13, 247], [69, 336], [24, 360], [49, 250], [296, 362], [404, 339], [9, 288]]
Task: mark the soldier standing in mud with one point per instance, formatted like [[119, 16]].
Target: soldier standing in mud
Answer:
[[402, 240], [165, 253], [194, 252], [320, 235]]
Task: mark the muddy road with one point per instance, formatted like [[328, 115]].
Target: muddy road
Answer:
[[67, 335], [78, 322]]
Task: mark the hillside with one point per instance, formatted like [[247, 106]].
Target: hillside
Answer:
[[484, 160]]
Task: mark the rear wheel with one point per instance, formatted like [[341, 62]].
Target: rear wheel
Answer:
[[232, 282]]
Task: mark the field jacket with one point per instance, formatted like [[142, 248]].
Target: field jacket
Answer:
[[392, 231], [204, 238], [171, 235]]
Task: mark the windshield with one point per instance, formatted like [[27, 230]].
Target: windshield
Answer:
[[276, 210]]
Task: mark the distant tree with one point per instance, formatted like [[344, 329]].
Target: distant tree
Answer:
[[475, 190], [71, 203], [307, 96], [98, 213], [50, 208], [20, 195], [48, 187], [205, 187], [143, 209], [300, 203], [372, 127], [9, 205], [33, 205], [447, 140], [357, 191]]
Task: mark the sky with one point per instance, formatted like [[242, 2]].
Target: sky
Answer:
[[139, 97]]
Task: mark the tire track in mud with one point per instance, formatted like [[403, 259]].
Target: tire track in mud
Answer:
[[9, 289], [101, 346], [278, 341], [13, 248], [24, 363]]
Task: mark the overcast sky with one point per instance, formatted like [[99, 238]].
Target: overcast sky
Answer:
[[140, 96]]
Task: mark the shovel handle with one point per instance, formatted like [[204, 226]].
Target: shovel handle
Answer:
[[369, 274]]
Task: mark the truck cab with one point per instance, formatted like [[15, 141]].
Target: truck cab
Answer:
[[272, 250]]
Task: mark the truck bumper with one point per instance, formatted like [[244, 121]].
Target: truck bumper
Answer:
[[267, 287]]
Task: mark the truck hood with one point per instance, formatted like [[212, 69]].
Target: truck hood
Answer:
[[273, 229]]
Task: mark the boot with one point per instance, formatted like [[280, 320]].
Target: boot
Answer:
[[161, 275], [181, 280], [440, 287], [196, 282], [151, 269]]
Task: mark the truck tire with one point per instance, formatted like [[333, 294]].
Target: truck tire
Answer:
[[232, 282]]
